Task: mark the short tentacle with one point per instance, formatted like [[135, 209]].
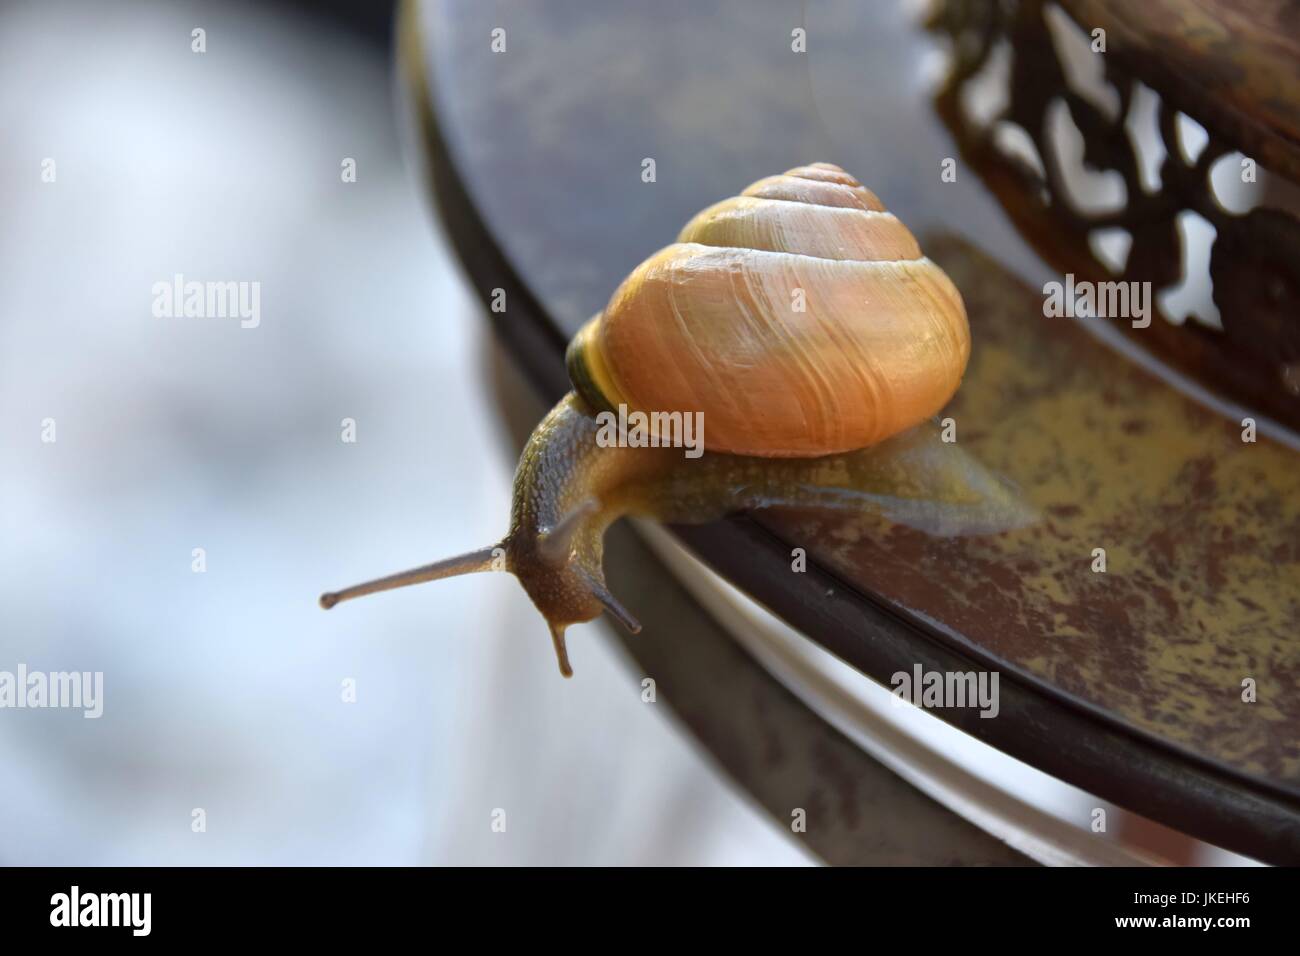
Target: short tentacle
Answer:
[[556, 543]]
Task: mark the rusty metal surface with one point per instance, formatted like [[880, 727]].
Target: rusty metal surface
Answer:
[[1201, 533], [1126, 683]]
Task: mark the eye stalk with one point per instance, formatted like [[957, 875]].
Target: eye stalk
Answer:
[[468, 563]]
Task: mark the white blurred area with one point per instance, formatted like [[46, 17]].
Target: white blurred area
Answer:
[[223, 690]]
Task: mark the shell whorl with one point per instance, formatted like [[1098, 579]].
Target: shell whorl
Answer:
[[800, 317]]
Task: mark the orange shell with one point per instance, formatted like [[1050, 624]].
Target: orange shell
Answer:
[[713, 323]]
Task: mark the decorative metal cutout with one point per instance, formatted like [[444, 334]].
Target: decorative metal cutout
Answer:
[[1255, 259]]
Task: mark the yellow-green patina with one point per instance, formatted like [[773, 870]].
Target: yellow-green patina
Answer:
[[1201, 534]]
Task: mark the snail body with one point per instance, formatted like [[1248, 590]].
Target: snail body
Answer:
[[803, 326]]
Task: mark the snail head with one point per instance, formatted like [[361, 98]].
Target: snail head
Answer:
[[559, 567]]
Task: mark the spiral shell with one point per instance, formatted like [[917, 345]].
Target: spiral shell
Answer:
[[713, 323]]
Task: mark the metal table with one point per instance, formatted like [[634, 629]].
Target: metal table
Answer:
[[1128, 683]]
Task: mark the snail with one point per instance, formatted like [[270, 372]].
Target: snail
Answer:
[[800, 324]]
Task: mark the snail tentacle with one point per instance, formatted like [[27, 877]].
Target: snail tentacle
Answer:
[[484, 559], [556, 543]]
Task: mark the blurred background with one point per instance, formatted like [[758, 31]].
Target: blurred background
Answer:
[[224, 690]]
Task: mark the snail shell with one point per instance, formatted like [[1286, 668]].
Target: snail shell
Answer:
[[712, 323]]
